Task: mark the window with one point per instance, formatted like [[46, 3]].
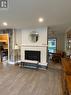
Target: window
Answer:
[[52, 45]]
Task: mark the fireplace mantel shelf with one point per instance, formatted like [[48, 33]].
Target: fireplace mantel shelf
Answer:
[[34, 45]]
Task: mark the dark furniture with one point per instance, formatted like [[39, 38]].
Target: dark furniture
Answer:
[[56, 57], [66, 63]]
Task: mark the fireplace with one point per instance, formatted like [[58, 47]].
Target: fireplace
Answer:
[[32, 55]]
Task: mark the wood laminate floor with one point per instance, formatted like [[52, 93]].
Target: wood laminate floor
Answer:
[[21, 81]]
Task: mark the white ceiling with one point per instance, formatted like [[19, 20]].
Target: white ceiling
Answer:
[[25, 13]]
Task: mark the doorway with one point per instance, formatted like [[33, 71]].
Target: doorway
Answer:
[[4, 48]]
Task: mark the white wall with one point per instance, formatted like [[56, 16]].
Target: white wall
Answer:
[[60, 40], [18, 36], [42, 36]]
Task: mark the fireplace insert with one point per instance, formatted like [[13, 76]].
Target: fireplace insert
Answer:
[[32, 55]]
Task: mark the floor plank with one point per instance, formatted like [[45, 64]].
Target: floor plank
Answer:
[[22, 81]]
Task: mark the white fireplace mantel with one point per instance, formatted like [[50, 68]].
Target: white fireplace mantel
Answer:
[[34, 45], [41, 48]]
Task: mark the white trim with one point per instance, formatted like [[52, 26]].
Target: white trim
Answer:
[[31, 61], [8, 48], [34, 45]]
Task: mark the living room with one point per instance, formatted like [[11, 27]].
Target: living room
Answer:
[[26, 67]]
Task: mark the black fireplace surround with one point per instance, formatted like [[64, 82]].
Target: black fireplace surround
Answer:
[[32, 55]]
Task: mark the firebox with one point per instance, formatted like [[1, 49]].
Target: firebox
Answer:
[[32, 55]]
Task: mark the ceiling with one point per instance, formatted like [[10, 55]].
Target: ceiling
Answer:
[[25, 13]]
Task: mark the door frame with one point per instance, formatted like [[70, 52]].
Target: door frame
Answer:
[[8, 43]]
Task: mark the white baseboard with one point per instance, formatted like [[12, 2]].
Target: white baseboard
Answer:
[[14, 62]]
